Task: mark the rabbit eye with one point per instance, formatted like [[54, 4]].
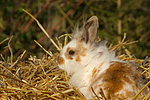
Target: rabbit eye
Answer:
[[71, 52]]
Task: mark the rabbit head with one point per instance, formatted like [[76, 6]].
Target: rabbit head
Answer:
[[78, 52]]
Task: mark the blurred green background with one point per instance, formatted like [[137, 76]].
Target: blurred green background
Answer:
[[58, 17]]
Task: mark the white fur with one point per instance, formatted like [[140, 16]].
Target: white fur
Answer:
[[81, 72]]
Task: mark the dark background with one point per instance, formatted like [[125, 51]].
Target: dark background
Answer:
[[60, 16]]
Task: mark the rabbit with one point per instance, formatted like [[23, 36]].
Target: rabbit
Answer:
[[92, 67]]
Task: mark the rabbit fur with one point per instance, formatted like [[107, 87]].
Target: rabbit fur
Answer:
[[92, 66]]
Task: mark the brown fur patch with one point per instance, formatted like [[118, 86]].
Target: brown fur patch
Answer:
[[78, 59], [67, 55], [83, 54], [81, 49], [115, 77], [61, 60], [95, 71]]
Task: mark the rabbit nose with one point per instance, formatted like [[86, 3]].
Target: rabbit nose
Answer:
[[60, 60]]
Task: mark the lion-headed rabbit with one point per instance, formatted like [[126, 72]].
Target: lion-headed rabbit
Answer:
[[92, 66]]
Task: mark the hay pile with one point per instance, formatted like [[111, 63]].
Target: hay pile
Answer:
[[34, 79], [42, 79]]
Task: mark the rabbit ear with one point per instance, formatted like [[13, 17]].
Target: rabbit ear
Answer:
[[90, 29]]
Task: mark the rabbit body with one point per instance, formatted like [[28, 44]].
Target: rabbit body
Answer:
[[92, 66]]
